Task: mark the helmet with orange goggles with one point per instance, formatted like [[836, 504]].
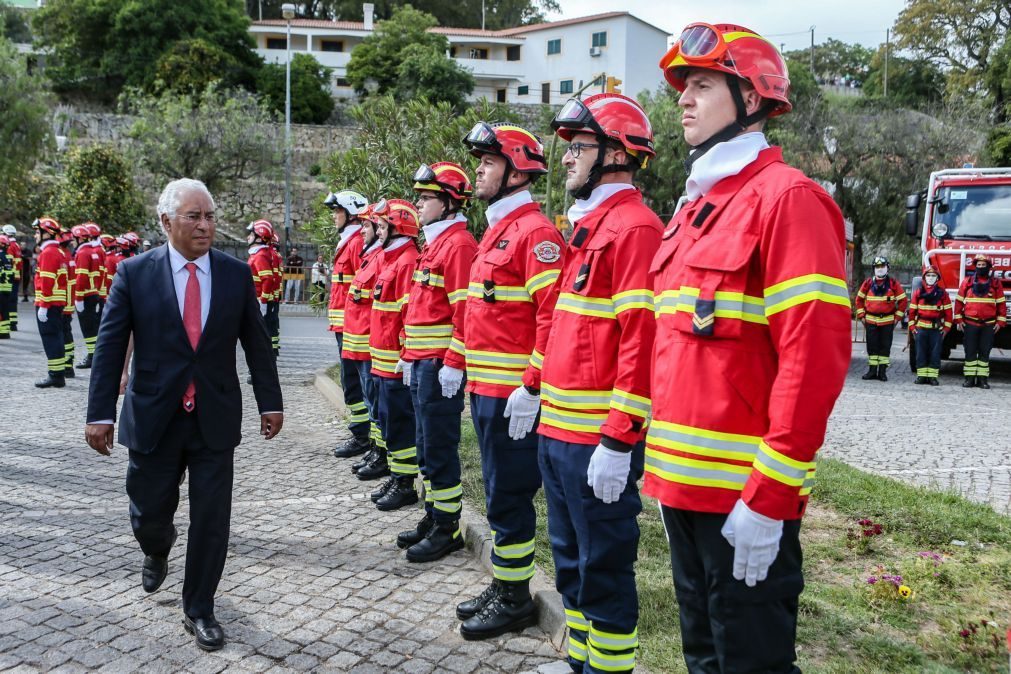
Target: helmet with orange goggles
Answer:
[[401, 215], [262, 229], [445, 177], [94, 231], [108, 240], [740, 54], [47, 226], [80, 232], [132, 238]]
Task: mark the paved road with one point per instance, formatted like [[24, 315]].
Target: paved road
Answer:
[[313, 580]]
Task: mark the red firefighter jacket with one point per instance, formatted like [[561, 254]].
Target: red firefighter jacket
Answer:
[[980, 303], [930, 310], [50, 276], [389, 306], [438, 303], [14, 252], [358, 306], [112, 261], [261, 263], [509, 304], [276, 264], [346, 262], [89, 277], [752, 343], [71, 280], [595, 378], [881, 303]]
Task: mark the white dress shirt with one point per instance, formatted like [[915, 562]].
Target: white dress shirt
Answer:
[[181, 276]]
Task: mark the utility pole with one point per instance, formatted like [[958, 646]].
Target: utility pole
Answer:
[[812, 52], [888, 38], [482, 14]]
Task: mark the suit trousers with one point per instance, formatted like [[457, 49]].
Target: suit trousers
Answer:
[[152, 483], [354, 400], [437, 431], [726, 626]]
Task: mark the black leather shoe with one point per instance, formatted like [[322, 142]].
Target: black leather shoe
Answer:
[[401, 494], [86, 363], [68, 372], [881, 373], [52, 381], [472, 607], [383, 488], [5, 335], [920, 380], [406, 539], [969, 382], [982, 382], [512, 610], [872, 373], [155, 568], [369, 457], [380, 467], [934, 382], [353, 447], [440, 541], [208, 633]]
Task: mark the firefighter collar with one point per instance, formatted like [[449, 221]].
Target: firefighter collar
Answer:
[[48, 242], [433, 230], [256, 247], [503, 207], [398, 242], [601, 193], [372, 246], [724, 160], [347, 233]]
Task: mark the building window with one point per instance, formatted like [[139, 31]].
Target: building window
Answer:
[[565, 87], [500, 96], [478, 53], [600, 39], [277, 43], [546, 92], [331, 45], [342, 82], [513, 53], [555, 46], [523, 90]]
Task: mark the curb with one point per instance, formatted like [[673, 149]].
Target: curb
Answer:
[[478, 540]]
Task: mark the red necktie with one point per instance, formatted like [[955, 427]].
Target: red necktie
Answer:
[[191, 321]]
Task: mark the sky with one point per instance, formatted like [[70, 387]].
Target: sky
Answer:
[[783, 22]]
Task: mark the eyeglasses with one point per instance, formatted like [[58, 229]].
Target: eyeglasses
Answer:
[[196, 217], [576, 149], [422, 198]]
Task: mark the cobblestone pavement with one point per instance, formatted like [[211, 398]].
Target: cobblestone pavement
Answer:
[[313, 579], [943, 437]]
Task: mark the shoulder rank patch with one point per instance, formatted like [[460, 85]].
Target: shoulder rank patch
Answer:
[[501, 245], [547, 252]]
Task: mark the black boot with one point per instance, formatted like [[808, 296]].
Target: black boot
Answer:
[[406, 539], [472, 607], [440, 541], [379, 467], [970, 382], [872, 373], [401, 494], [365, 460], [511, 610], [383, 488], [982, 382], [68, 372], [54, 380], [933, 381], [86, 363], [353, 447], [921, 380], [881, 373], [5, 335]]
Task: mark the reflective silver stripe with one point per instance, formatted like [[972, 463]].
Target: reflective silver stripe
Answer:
[[697, 473], [748, 448], [820, 287], [600, 400]]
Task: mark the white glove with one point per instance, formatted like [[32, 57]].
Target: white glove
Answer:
[[404, 367], [43, 314], [521, 410], [79, 305], [755, 539], [263, 309], [608, 473], [450, 378]]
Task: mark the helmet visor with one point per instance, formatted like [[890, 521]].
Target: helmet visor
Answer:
[[381, 207], [700, 41], [424, 174], [573, 115], [482, 137], [330, 201]]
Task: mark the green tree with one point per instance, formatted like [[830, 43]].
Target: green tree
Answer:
[[100, 46], [375, 64], [190, 65], [911, 82], [663, 181], [14, 24], [834, 58], [499, 14], [311, 102], [98, 186], [24, 125], [218, 136]]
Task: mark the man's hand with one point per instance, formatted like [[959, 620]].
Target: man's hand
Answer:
[[270, 424], [99, 437]]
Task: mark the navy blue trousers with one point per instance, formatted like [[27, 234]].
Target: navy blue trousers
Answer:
[[594, 545], [928, 352], [437, 434], [152, 483], [512, 477], [354, 399], [52, 339], [397, 414]]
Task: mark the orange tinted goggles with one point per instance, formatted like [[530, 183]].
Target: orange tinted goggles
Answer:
[[699, 44]]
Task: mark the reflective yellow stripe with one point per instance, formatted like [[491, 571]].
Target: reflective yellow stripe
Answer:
[[356, 343], [727, 304], [694, 472], [433, 279], [502, 293], [456, 346], [576, 620], [393, 307], [513, 574], [537, 359], [576, 399], [580, 422], [614, 641], [808, 288], [457, 295], [429, 330], [427, 343], [780, 467], [629, 403], [601, 307], [486, 375], [541, 281], [508, 361], [515, 551], [633, 299], [608, 662]]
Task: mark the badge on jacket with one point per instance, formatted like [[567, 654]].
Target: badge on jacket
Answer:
[[547, 252], [501, 245]]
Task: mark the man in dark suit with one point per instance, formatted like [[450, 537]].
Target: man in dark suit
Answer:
[[186, 306]]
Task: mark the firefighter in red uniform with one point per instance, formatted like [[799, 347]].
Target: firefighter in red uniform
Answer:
[[261, 263], [14, 251], [100, 278], [434, 315], [881, 303], [89, 278], [113, 255], [509, 307], [66, 241], [50, 298], [347, 207], [930, 319], [595, 379], [6, 285], [273, 315], [980, 312], [752, 349], [397, 229]]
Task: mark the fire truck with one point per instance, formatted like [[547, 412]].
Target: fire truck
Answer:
[[967, 212]]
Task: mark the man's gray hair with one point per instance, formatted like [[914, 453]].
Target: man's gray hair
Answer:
[[168, 202]]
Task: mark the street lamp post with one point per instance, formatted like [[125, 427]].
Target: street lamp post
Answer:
[[288, 12]]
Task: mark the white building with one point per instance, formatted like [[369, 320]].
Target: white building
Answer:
[[541, 63]]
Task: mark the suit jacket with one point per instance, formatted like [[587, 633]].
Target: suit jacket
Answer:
[[143, 301]]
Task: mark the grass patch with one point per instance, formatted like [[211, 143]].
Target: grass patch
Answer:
[[334, 372]]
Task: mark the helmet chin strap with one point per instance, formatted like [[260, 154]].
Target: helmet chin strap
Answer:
[[503, 188], [598, 170], [735, 128]]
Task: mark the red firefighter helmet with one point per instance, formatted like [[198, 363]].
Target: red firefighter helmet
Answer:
[[609, 116], [65, 237], [444, 176], [261, 229], [47, 225], [107, 240], [80, 232], [4, 240], [981, 260], [275, 240], [132, 239], [400, 213], [734, 50], [94, 231], [521, 149], [931, 269]]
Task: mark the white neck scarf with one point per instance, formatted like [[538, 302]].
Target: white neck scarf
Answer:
[[398, 242], [505, 206], [599, 195], [724, 160], [433, 230], [347, 233]]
